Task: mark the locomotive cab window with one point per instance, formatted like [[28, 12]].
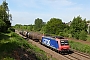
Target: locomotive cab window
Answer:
[[64, 42]]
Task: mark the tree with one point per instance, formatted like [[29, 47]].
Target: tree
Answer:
[[2, 26], [88, 21], [10, 17], [38, 24], [4, 16], [5, 5], [54, 26], [77, 25], [2, 22]]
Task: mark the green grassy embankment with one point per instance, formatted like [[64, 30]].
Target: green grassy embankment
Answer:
[[12, 47], [80, 47], [88, 38]]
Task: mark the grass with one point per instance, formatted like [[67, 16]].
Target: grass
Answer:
[[8, 58], [11, 41], [88, 37], [80, 47]]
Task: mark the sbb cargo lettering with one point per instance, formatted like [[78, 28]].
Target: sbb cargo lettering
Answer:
[[46, 41]]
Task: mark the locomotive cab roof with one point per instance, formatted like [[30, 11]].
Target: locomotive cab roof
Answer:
[[60, 37], [53, 37]]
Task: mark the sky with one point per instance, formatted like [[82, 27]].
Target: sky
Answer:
[[26, 11]]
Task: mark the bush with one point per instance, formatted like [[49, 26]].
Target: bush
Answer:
[[8, 58], [66, 34], [63, 34], [13, 34], [76, 35], [83, 35], [11, 29], [69, 35]]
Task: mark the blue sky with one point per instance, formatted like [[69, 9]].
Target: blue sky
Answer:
[[26, 11]]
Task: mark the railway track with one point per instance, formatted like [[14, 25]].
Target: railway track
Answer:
[[70, 57], [77, 56], [74, 56], [83, 54]]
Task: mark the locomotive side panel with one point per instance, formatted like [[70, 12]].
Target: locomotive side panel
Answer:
[[50, 42]]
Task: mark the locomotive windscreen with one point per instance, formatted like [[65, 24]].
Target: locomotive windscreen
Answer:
[[64, 42]]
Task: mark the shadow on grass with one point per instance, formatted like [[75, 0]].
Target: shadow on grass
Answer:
[[12, 49], [23, 54], [16, 51], [8, 47], [3, 36]]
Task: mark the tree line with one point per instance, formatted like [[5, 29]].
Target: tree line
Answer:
[[5, 17], [77, 28]]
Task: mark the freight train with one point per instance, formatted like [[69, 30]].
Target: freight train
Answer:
[[57, 43]]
